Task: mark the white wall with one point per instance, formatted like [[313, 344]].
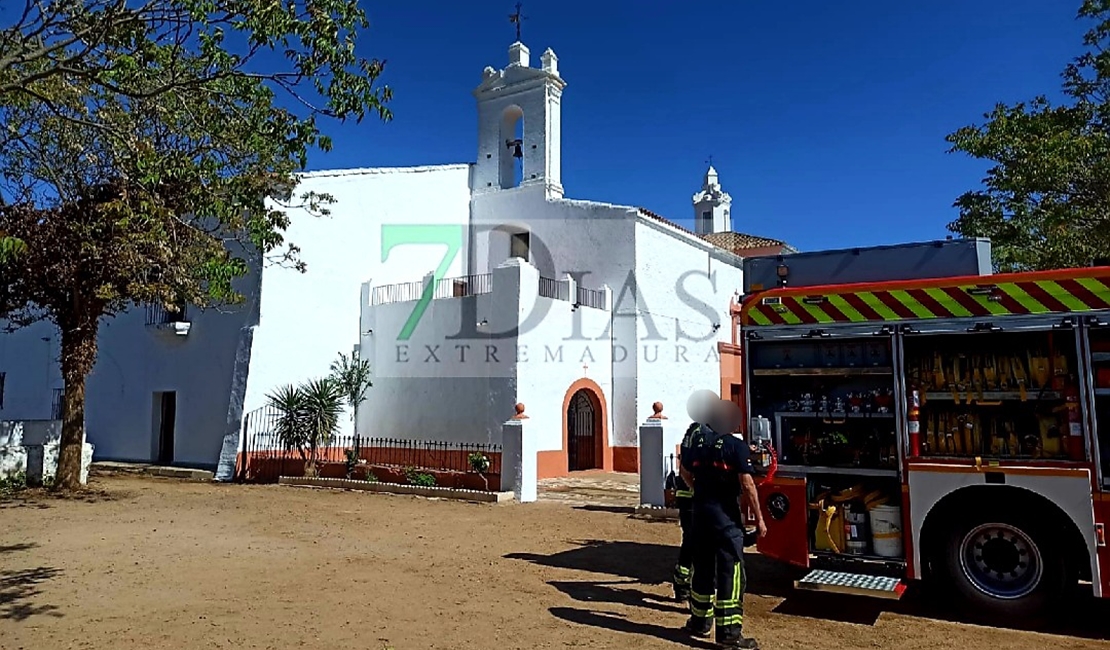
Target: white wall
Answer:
[[465, 394], [549, 363], [669, 364], [134, 361], [308, 319], [642, 260]]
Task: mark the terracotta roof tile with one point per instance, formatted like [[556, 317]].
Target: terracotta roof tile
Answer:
[[734, 242]]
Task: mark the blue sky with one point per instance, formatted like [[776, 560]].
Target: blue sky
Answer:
[[826, 120]]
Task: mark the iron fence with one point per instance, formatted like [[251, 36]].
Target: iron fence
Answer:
[[264, 456]]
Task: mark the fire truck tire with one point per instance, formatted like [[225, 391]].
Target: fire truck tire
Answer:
[[1003, 563]]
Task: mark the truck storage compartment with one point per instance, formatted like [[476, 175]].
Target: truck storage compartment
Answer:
[[830, 402], [997, 394], [855, 517], [1099, 339]]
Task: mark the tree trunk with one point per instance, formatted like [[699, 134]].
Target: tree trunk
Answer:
[[78, 355]]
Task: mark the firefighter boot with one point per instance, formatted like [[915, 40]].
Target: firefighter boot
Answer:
[[731, 637], [681, 583], [698, 626], [681, 593]]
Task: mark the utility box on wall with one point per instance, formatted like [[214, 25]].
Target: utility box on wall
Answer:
[[936, 259]]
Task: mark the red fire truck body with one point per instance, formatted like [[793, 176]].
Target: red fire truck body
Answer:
[[955, 429]]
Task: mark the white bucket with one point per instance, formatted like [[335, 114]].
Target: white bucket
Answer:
[[886, 531]]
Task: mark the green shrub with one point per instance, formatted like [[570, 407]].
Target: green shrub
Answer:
[[13, 484], [423, 479]]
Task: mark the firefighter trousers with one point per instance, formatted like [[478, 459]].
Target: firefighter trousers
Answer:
[[717, 588], [684, 567]]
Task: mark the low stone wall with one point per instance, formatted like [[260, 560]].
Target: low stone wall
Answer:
[[478, 496], [18, 436]]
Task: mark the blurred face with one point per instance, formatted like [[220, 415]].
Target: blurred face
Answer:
[[725, 416], [700, 407]]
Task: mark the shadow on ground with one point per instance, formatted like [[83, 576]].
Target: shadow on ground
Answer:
[[41, 498], [651, 564], [618, 623], [620, 510], [19, 589], [610, 592]]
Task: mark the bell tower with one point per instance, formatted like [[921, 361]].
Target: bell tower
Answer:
[[712, 206], [519, 110]]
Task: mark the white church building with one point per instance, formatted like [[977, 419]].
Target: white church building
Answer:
[[497, 290]]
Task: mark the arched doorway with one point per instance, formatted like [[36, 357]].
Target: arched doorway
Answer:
[[584, 431]]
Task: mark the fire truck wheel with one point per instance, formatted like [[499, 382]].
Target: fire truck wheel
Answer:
[[1002, 563]]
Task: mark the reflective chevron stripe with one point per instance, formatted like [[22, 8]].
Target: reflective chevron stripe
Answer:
[[999, 295]]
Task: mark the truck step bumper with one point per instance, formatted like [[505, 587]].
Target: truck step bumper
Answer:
[[856, 584]]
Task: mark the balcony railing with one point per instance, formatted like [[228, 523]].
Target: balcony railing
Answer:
[[592, 298], [460, 287], [554, 289], [475, 285], [157, 314]]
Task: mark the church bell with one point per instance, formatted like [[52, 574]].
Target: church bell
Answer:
[[515, 146]]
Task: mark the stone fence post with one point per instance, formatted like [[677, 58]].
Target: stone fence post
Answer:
[[652, 458], [518, 457]]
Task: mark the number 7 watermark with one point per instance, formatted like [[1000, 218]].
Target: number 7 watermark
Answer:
[[451, 236]]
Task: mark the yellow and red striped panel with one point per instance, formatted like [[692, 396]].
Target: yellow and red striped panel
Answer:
[[998, 295]]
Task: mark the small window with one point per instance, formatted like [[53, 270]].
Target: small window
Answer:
[[2, 376], [56, 409], [707, 215], [518, 245]]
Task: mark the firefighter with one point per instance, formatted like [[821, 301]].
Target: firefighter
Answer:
[[684, 498], [700, 407], [718, 467]]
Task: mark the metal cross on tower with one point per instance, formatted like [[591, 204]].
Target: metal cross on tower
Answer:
[[516, 19], [710, 161]]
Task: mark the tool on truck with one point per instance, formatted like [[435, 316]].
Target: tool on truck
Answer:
[[955, 429]]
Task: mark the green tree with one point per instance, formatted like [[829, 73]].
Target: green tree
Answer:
[[352, 375], [1046, 200], [146, 155]]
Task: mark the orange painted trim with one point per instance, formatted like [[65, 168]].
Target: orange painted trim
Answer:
[[551, 464], [1102, 496], [728, 348], [602, 451], [626, 459], [1021, 471]]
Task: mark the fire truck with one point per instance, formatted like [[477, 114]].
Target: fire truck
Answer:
[[955, 430]]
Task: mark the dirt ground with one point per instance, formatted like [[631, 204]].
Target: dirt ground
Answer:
[[156, 563]]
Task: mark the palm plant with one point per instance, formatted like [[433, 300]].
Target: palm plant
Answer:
[[323, 407], [288, 401], [353, 376], [308, 416]]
